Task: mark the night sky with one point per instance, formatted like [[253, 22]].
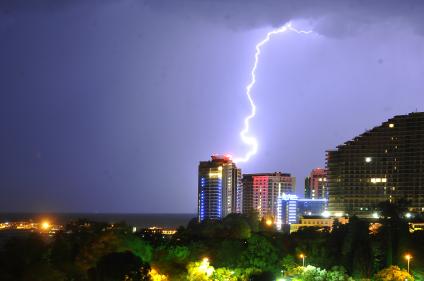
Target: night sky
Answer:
[[107, 106]]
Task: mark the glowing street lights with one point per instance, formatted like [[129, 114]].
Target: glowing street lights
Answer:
[[408, 257], [302, 256], [268, 222], [45, 225]]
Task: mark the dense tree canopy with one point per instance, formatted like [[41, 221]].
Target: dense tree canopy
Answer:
[[236, 248]]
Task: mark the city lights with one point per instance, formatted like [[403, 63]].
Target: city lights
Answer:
[[45, 225]]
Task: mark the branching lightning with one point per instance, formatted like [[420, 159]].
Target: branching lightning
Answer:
[[251, 141]]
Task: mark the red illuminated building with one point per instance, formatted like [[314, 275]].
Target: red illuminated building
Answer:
[[316, 184], [261, 192]]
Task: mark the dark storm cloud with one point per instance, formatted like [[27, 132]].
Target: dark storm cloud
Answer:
[[331, 18], [13, 6]]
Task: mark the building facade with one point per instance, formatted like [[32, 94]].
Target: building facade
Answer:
[[261, 192], [316, 184], [311, 207], [291, 209], [219, 188], [287, 210], [308, 191], [385, 163], [318, 222]]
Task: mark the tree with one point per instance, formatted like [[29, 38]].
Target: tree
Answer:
[[357, 250], [312, 273], [394, 231], [262, 276], [260, 254], [120, 266], [156, 276], [224, 274], [236, 226], [393, 273], [338, 273], [110, 242], [288, 264], [199, 271], [228, 253], [26, 258]]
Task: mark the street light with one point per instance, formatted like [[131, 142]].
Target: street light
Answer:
[[408, 257], [302, 256], [268, 222], [45, 225]]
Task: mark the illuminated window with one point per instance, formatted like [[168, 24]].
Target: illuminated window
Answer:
[[377, 180], [391, 125], [368, 159]]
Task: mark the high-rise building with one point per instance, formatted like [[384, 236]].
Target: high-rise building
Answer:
[[385, 163], [316, 184], [219, 188], [261, 192]]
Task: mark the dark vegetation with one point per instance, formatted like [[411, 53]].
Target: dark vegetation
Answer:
[[238, 247]]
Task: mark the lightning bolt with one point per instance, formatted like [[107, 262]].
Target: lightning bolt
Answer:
[[244, 134]]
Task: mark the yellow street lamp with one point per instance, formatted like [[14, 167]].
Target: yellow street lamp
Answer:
[[268, 222], [302, 256], [45, 225], [408, 257]]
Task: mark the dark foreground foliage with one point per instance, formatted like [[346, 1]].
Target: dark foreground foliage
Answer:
[[237, 248]]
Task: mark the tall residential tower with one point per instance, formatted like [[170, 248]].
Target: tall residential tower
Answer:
[[219, 188]]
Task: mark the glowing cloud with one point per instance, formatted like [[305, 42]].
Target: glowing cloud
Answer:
[[245, 137]]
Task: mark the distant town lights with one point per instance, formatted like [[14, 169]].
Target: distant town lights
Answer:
[[45, 225]]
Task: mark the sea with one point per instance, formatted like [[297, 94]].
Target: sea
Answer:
[[137, 220]]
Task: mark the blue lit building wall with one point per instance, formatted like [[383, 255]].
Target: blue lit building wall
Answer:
[[288, 209], [291, 208], [210, 198], [311, 207]]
